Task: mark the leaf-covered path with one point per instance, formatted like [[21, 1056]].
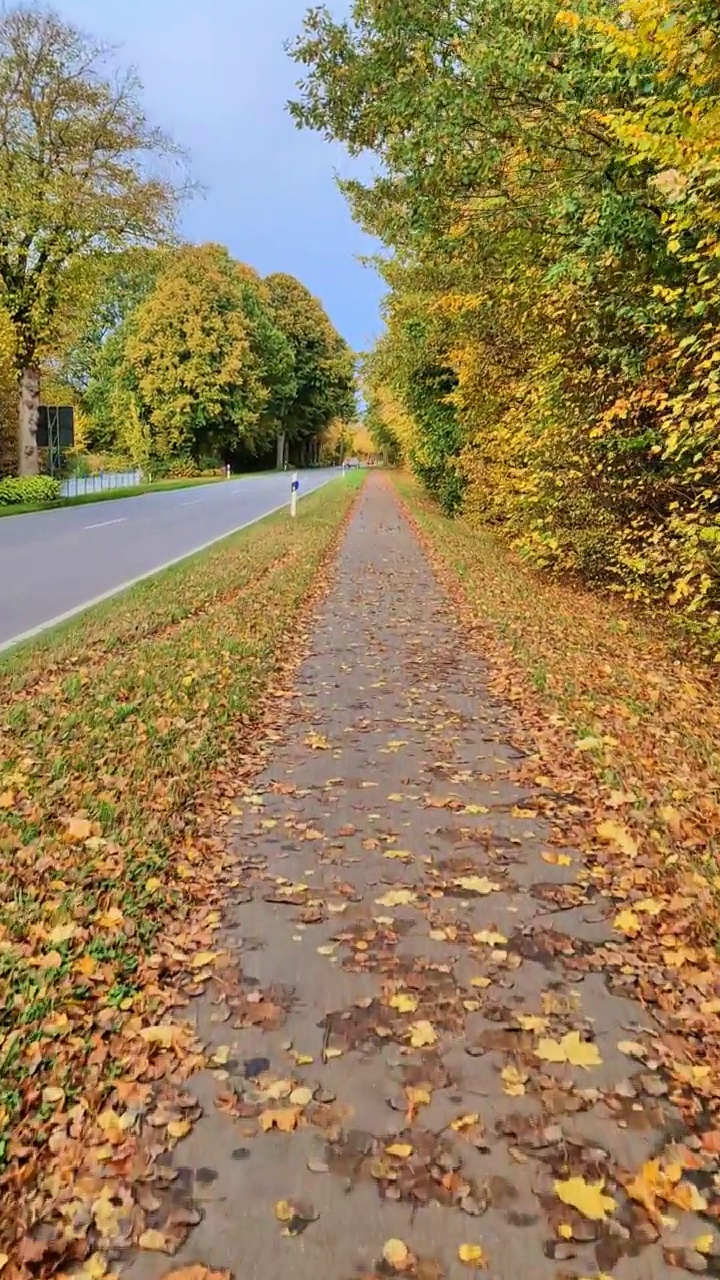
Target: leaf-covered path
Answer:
[[424, 1063]]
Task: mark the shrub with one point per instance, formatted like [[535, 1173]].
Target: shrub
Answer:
[[17, 490]]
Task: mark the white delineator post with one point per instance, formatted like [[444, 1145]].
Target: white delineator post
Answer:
[[294, 486], [227, 471]]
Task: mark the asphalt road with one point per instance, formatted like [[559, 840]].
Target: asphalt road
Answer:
[[54, 563]]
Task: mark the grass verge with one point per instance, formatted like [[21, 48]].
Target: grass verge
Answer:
[[625, 724], [107, 495], [121, 732]]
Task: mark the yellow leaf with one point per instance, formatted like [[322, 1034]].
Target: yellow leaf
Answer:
[[333, 1053], [465, 1122], [284, 1211], [63, 932], [704, 1244], [404, 1002], [417, 1097], [400, 1149], [111, 919], [317, 741], [475, 808], [531, 1022], [565, 1231], [179, 1128], [587, 1197], [396, 898], [480, 982], [422, 1033], [476, 884], [221, 1055], [615, 833], [327, 950], [164, 1034], [52, 1094], [202, 959], [579, 1053], [95, 1266], [514, 1081], [627, 922], [402, 855], [284, 1120], [301, 1097], [490, 938], [556, 859], [396, 1254], [154, 1240], [472, 1255]]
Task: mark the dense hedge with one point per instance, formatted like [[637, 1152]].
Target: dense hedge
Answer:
[[19, 490]]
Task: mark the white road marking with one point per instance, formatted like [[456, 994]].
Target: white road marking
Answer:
[[193, 503], [125, 586], [102, 523]]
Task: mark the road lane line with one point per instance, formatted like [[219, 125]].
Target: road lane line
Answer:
[[193, 503], [168, 564], [102, 523]]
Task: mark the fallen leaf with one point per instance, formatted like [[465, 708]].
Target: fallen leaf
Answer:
[[579, 1053], [514, 1081], [472, 1255], [400, 1149], [155, 1241], [396, 898], [63, 932], [285, 1120], [531, 1022], [301, 1096], [587, 1197], [615, 833], [556, 859], [490, 937], [403, 1002], [476, 884], [179, 1128], [422, 1033], [396, 1254], [77, 830], [627, 922], [164, 1034]]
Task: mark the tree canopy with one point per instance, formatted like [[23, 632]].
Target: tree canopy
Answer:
[[546, 187], [82, 173]]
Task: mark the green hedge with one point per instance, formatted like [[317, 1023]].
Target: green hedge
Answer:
[[18, 490]]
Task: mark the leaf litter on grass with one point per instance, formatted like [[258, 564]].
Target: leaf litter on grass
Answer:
[[122, 742]]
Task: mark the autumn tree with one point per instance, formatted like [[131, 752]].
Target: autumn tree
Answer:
[[82, 173], [324, 369], [190, 360], [545, 184]]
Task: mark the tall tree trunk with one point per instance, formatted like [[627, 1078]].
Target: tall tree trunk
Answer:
[[280, 456], [28, 456]]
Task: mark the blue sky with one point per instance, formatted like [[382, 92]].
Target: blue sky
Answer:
[[217, 78]]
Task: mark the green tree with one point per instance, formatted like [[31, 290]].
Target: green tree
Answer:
[[324, 370], [82, 172]]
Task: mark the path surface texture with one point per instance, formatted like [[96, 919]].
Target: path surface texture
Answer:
[[403, 961]]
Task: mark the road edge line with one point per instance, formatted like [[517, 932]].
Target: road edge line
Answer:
[[141, 577]]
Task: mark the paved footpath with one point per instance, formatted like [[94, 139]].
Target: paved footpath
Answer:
[[402, 955]]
